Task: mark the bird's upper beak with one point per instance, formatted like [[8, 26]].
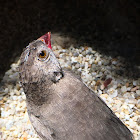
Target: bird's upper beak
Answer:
[[46, 39]]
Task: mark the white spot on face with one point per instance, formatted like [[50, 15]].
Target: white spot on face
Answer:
[[26, 56]]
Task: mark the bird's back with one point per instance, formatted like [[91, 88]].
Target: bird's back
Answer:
[[77, 113]]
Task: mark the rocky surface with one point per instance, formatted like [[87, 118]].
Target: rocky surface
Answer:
[[108, 76]]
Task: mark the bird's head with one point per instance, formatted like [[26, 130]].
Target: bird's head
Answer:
[[38, 64]]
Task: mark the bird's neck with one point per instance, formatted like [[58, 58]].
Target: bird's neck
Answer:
[[37, 95]]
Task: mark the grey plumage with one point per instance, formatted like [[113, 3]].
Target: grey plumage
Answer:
[[60, 105]]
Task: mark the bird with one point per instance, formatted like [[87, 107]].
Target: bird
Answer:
[[60, 106]]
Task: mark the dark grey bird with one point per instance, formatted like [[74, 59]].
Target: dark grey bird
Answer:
[[60, 105]]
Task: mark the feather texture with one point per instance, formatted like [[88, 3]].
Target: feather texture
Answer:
[[61, 106]]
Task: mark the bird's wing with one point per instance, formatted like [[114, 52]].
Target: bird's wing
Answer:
[[44, 132], [78, 113]]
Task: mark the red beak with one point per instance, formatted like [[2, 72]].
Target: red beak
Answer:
[[46, 39]]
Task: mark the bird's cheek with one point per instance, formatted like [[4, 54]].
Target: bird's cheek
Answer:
[[34, 72]]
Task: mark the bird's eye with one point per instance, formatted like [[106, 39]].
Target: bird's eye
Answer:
[[43, 55]]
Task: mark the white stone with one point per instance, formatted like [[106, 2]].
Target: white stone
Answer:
[[99, 63], [138, 92], [129, 88], [123, 89], [94, 73], [131, 105], [127, 117], [6, 90], [99, 92], [86, 65], [114, 62], [9, 124], [135, 83], [138, 101]]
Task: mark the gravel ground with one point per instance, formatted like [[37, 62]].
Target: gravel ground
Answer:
[[104, 74]]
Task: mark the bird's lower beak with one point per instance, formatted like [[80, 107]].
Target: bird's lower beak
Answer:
[[46, 39]]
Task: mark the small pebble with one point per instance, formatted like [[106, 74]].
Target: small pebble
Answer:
[[135, 83], [138, 92], [135, 88], [75, 54], [77, 66], [123, 89]]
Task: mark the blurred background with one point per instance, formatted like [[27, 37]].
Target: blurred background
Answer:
[[112, 27]]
